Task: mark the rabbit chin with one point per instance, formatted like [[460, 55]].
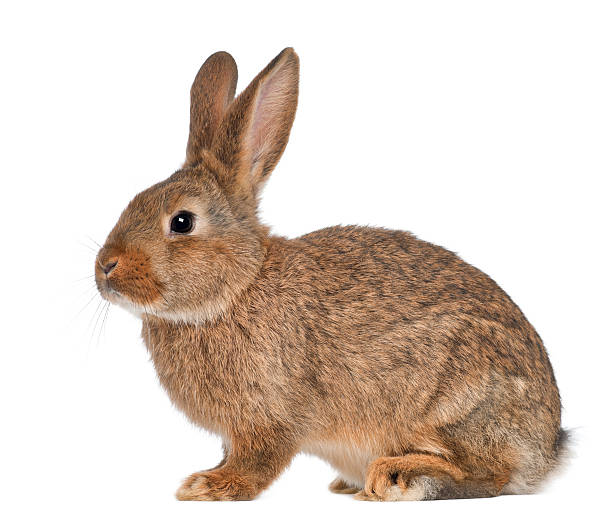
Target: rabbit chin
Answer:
[[122, 301], [206, 312]]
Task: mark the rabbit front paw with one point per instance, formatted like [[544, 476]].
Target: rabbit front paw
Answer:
[[216, 485]]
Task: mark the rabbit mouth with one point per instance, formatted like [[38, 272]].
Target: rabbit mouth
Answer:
[[108, 292], [115, 297]]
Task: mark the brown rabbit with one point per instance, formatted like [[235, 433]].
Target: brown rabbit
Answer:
[[411, 372]]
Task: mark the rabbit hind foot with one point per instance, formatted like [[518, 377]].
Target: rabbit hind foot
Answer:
[[419, 477]]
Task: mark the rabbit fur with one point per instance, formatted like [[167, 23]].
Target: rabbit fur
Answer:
[[408, 370]]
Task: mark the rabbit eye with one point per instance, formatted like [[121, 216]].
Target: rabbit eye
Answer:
[[182, 223]]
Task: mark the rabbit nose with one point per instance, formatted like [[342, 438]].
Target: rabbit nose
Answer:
[[109, 266]]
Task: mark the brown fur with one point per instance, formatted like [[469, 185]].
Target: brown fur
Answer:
[[339, 486], [407, 369]]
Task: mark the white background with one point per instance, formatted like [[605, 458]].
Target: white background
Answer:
[[482, 126]]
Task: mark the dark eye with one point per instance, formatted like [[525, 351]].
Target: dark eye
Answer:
[[182, 223]]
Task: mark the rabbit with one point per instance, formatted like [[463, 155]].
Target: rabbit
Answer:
[[411, 372]]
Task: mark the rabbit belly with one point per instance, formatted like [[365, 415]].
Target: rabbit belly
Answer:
[[350, 460]]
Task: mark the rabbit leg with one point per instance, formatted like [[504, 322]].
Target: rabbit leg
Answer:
[[245, 472], [339, 486], [416, 477]]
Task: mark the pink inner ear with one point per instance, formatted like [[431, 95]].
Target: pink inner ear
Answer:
[[269, 113]]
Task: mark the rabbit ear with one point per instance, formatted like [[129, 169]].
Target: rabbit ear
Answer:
[[212, 92], [255, 129]]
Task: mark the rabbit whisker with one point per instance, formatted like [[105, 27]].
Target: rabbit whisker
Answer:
[[99, 312], [95, 242], [93, 250], [88, 277], [108, 304], [86, 304]]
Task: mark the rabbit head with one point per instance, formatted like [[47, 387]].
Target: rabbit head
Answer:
[[185, 248]]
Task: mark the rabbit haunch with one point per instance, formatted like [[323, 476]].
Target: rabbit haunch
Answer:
[[411, 372]]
